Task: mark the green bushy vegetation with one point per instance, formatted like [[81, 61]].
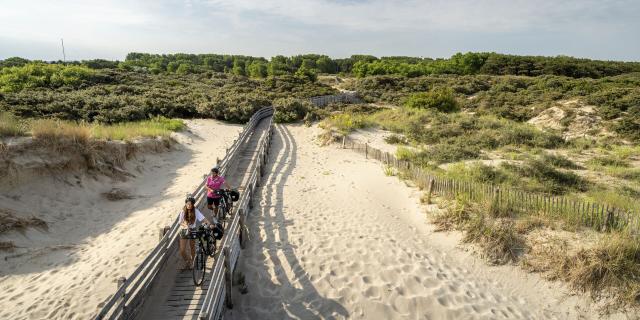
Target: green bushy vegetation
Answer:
[[533, 175], [459, 136], [346, 122], [441, 99], [37, 75], [290, 109], [517, 98], [559, 161], [118, 96], [494, 64]]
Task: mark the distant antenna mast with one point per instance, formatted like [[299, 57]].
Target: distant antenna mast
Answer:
[[64, 56]]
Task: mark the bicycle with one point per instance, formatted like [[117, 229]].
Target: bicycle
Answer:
[[226, 202], [206, 246]]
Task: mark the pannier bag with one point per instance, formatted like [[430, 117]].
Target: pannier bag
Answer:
[[218, 231], [235, 195]]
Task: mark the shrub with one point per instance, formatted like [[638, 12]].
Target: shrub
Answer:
[[290, 109], [609, 162], [33, 75], [559, 161], [395, 139], [441, 99], [404, 153], [548, 178], [346, 122]]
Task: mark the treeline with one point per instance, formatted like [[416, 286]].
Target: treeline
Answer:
[[494, 64], [256, 67], [309, 65]]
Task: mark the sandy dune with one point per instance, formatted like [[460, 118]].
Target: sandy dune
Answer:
[[334, 238], [65, 272]]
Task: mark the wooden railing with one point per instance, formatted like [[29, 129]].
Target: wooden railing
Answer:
[[598, 216], [346, 97], [132, 291], [219, 293]]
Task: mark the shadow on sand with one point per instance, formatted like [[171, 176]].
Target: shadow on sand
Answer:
[[281, 297]]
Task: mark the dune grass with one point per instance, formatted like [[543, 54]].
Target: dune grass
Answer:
[[610, 268], [485, 225], [10, 126], [50, 130], [130, 130]]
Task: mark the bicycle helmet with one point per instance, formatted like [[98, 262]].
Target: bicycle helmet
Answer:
[[190, 199]]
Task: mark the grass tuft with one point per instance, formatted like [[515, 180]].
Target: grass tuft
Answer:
[[155, 127], [611, 268], [10, 126], [51, 131]]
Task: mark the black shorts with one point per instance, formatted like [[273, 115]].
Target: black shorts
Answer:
[[214, 201]]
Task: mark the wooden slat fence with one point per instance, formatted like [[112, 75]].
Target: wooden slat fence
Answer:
[[601, 217], [132, 291]]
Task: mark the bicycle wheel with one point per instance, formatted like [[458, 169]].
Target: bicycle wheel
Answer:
[[222, 210], [199, 266]]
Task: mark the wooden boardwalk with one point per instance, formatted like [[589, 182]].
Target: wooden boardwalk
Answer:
[[175, 296]]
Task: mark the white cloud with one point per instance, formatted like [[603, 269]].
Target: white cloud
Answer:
[[269, 27]]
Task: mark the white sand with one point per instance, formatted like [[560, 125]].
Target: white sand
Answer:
[[66, 272], [334, 238]]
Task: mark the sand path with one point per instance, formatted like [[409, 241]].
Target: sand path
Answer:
[[334, 238], [65, 272]]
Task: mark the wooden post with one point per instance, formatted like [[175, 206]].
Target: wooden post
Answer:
[[343, 141], [243, 229], [228, 277], [217, 161], [366, 151], [123, 296], [430, 190], [162, 232]]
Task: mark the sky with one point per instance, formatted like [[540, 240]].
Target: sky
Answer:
[[602, 29]]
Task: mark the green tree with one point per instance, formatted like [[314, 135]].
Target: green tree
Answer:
[[239, 67], [326, 65], [306, 73], [258, 69]]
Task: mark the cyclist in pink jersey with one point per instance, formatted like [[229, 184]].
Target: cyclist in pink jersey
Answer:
[[214, 182]]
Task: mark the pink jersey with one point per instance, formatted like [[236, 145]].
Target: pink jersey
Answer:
[[215, 184]]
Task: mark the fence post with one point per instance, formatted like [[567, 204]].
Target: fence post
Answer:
[[227, 277], [496, 196], [243, 229], [123, 295], [366, 151], [430, 190], [162, 232], [343, 137]]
